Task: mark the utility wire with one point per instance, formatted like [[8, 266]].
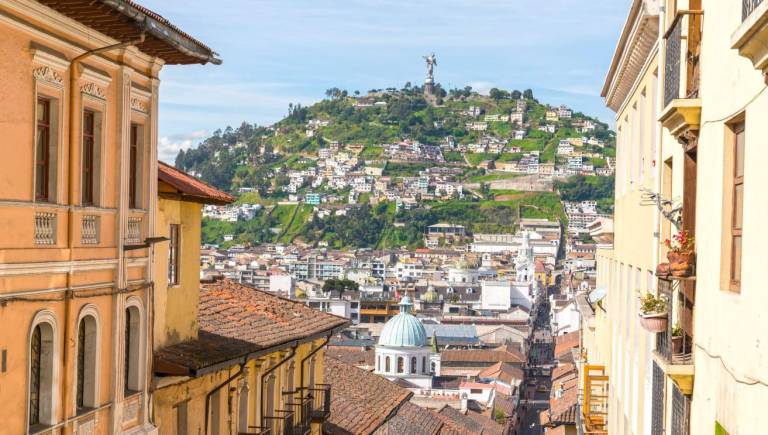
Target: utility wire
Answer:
[[730, 371]]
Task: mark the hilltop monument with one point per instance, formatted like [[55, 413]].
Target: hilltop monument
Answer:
[[429, 82]]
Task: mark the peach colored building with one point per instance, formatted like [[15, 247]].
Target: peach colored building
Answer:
[[77, 202]]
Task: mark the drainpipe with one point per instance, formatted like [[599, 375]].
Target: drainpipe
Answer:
[[219, 387], [73, 194], [270, 370], [311, 354]]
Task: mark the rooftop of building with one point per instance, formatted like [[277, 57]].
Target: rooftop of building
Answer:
[[190, 188], [238, 322], [126, 20]]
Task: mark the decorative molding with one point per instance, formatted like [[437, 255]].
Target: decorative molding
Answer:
[[45, 58], [93, 90], [48, 75], [92, 75], [138, 105]]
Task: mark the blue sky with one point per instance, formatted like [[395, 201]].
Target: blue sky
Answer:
[[290, 51]]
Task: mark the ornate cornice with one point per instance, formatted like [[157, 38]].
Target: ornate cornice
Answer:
[[138, 105], [47, 74], [93, 90]]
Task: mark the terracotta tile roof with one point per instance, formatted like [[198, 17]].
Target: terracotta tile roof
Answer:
[[190, 187], [490, 427], [505, 404], [360, 401], [356, 356], [125, 20], [566, 342], [482, 356], [503, 372], [236, 320], [562, 370], [460, 422], [411, 420]]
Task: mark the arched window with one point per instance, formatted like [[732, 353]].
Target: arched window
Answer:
[[269, 401], [424, 364], [242, 413], [86, 365], [132, 380], [386, 365], [413, 365], [400, 364], [42, 354]]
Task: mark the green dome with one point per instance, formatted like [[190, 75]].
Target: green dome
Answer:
[[403, 330]]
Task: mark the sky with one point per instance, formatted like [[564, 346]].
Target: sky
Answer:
[[277, 52]]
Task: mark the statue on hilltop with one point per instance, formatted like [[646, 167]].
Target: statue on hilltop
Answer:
[[429, 82]]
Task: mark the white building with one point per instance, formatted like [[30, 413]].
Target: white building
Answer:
[[404, 352]]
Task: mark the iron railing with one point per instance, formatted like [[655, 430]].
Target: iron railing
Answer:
[[301, 402], [748, 6], [282, 423], [681, 69], [657, 403], [321, 402], [681, 412], [676, 349]]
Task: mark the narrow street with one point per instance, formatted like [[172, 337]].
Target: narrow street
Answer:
[[534, 397]]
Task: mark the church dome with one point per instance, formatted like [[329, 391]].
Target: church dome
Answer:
[[430, 295], [403, 330]]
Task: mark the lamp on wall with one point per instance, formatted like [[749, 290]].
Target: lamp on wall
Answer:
[[149, 241]]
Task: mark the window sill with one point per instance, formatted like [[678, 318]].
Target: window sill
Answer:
[[751, 37]]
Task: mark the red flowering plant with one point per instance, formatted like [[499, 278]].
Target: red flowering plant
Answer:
[[681, 243]]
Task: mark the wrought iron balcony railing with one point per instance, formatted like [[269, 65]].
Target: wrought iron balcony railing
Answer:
[[747, 7], [681, 70], [321, 402], [281, 423], [300, 402], [675, 343]]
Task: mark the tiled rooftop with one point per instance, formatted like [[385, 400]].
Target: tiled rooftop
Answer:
[[236, 320], [481, 356], [190, 187], [360, 401]]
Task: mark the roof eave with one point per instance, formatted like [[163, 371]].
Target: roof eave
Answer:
[[181, 42]]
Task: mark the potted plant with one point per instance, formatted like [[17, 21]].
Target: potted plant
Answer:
[[677, 339], [653, 313], [681, 255]]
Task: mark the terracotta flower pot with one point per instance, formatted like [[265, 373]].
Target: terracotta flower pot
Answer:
[[654, 322], [662, 269], [681, 263], [677, 344]]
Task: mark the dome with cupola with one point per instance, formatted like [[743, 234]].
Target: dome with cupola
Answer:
[[404, 330], [430, 296]]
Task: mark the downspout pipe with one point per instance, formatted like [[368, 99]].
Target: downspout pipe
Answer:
[[73, 189], [267, 373], [219, 387]]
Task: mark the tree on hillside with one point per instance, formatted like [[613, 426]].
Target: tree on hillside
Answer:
[[516, 95], [528, 94], [497, 94], [340, 286]]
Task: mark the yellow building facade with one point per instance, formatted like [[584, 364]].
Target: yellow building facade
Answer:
[[77, 199], [705, 370]]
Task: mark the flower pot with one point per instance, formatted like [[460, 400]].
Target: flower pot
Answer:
[[681, 263], [677, 344], [654, 322], [662, 269]]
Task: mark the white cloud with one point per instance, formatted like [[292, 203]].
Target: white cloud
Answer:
[[169, 146]]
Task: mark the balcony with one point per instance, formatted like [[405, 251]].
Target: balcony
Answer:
[[280, 423], [45, 228], [595, 403], [751, 37], [682, 106], [89, 230], [301, 403], [674, 346], [321, 402]]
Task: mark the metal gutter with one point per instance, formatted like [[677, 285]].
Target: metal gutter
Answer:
[[181, 42]]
